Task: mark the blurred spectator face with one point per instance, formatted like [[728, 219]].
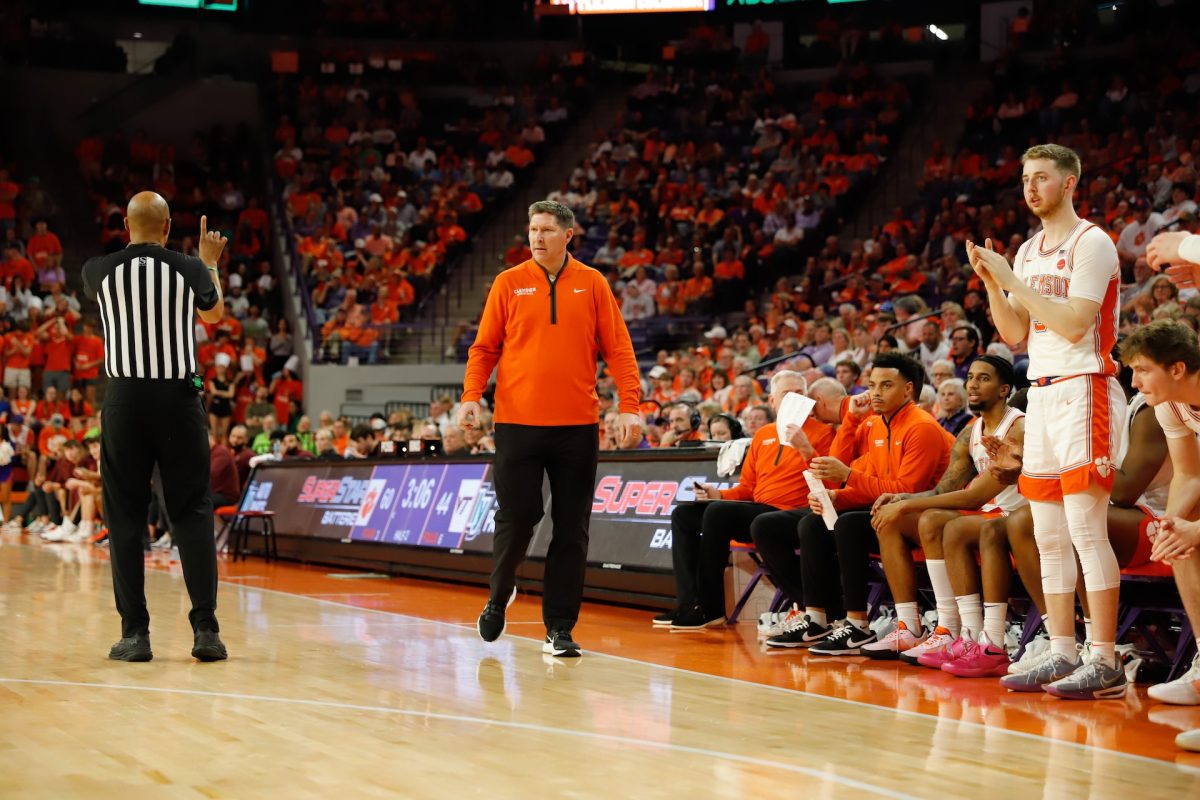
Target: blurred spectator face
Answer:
[[680, 420], [429, 431], [743, 387], [940, 373], [845, 376], [960, 344], [304, 425], [783, 387], [931, 335], [454, 440], [949, 399], [237, 437], [290, 444], [755, 419], [718, 430], [339, 428], [324, 440]]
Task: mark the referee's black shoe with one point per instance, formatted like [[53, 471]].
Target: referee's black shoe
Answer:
[[208, 647], [132, 648], [491, 622], [559, 643]]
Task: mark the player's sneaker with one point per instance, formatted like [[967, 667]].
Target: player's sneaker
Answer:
[[848, 640], [58, 534], [891, 646], [695, 619], [793, 632], [983, 660], [559, 643], [666, 618], [491, 622], [1053, 668], [783, 623], [82, 533], [935, 658], [939, 640], [1035, 653], [769, 621], [163, 542], [1095, 680], [1183, 691], [1189, 740]]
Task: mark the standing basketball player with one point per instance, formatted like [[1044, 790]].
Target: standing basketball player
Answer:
[[1061, 293], [544, 323]]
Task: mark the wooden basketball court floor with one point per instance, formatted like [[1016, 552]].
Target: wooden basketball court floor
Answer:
[[351, 688]]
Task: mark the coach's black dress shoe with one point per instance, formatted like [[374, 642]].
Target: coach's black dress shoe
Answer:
[[132, 648], [208, 647]]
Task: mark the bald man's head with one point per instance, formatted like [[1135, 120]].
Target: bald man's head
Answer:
[[148, 219]]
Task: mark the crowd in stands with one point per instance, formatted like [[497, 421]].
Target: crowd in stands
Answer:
[[383, 189]]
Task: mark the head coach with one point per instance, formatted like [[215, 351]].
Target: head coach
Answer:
[[544, 324], [153, 413]]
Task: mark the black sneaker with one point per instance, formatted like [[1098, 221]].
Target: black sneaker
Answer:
[[207, 646], [844, 641], [132, 648], [696, 618], [793, 633], [491, 622], [815, 633], [667, 617], [559, 643]]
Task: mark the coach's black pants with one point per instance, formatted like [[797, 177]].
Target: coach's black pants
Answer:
[[776, 537], [843, 553], [568, 455], [147, 422], [700, 534]]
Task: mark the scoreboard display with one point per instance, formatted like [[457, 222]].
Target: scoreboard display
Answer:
[[451, 505]]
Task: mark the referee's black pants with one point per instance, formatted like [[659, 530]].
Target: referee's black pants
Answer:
[[164, 422], [700, 535], [568, 455]]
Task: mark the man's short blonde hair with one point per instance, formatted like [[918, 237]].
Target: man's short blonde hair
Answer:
[[1065, 159]]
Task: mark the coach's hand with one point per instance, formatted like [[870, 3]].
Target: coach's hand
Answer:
[[468, 415], [212, 243], [828, 468], [705, 492], [630, 426]]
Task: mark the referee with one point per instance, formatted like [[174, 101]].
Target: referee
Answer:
[[543, 325], [153, 414]]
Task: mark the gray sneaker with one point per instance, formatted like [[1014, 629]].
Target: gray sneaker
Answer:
[[1053, 668], [1095, 680]]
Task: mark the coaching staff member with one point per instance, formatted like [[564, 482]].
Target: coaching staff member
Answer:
[[544, 323], [153, 413]]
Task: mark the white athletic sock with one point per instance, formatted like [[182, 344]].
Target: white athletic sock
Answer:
[[994, 617], [970, 609], [1064, 646], [910, 616], [1087, 629], [947, 608], [1106, 652], [817, 616]]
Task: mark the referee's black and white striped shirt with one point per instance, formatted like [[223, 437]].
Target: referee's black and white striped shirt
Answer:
[[148, 297]]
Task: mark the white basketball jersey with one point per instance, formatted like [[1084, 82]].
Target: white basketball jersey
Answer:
[[1155, 495], [1084, 265], [1009, 499]]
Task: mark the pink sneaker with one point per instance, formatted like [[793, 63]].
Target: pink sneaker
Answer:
[[892, 645], [939, 640], [955, 649], [984, 660]]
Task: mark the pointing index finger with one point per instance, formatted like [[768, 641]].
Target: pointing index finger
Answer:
[[203, 226]]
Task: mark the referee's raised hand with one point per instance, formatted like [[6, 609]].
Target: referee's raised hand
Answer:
[[212, 243]]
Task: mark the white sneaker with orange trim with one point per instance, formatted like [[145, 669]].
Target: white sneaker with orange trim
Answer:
[[1183, 691], [891, 646], [938, 641]]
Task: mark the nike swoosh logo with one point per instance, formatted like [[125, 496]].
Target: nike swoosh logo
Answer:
[[577, 291]]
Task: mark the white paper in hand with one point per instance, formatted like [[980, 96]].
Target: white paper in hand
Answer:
[[818, 490], [794, 410]]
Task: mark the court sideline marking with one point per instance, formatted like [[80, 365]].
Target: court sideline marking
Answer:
[[524, 726], [844, 700]]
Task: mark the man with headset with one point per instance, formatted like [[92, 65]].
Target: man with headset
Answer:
[[683, 423], [772, 481]]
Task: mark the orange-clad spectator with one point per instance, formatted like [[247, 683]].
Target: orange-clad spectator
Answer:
[[44, 248], [9, 191], [142, 150], [254, 216], [730, 267], [52, 404], [709, 214], [385, 310], [519, 155], [285, 388], [403, 292], [230, 325], [90, 154], [87, 360], [15, 265], [55, 339], [698, 289], [636, 256], [18, 348], [518, 253], [79, 409], [359, 340], [378, 243], [669, 295], [450, 232], [337, 133], [55, 426]]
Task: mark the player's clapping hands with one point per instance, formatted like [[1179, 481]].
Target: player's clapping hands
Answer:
[[991, 266]]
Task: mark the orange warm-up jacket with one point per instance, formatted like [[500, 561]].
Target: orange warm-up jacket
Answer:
[[907, 453], [772, 473], [545, 333]]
